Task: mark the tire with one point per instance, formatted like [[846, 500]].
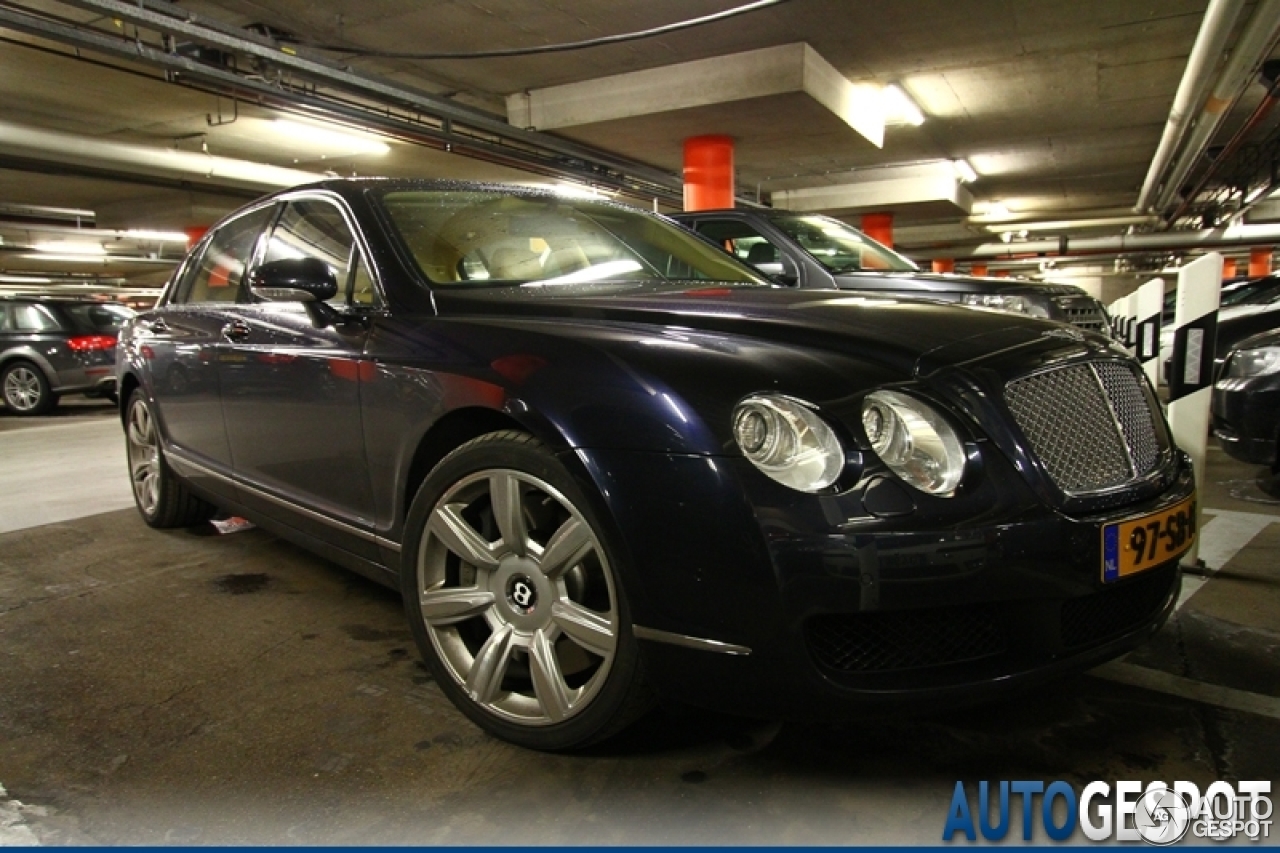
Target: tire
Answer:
[[532, 643], [163, 500], [26, 390]]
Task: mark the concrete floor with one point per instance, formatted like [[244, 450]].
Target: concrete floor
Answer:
[[190, 688]]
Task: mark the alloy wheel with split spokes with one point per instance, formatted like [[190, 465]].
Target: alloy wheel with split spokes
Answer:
[[26, 391], [162, 498], [515, 600]]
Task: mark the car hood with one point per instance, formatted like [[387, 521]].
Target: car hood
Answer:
[[911, 337], [948, 283]]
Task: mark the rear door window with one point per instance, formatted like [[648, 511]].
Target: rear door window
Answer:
[[33, 318]]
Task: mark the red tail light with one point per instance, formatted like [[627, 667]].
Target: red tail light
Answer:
[[89, 343]]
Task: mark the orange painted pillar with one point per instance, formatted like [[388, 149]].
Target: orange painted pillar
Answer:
[[944, 265], [1259, 261], [978, 269], [194, 233], [1001, 274], [1228, 268], [708, 172], [879, 227]]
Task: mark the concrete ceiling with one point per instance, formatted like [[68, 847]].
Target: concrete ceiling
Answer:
[[1059, 106]]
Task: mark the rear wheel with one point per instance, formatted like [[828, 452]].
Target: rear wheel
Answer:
[[26, 390], [162, 499], [514, 600]]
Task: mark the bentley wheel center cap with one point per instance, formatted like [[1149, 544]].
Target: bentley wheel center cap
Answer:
[[522, 594]]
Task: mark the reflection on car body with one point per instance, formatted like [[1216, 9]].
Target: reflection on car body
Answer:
[[604, 461]]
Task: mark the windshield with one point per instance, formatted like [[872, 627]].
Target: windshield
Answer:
[[840, 247], [477, 238]]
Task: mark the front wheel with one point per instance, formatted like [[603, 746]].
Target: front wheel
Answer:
[[514, 600], [162, 499], [26, 390]]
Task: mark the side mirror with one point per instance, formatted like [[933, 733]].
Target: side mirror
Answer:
[[294, 280], [790, 275]]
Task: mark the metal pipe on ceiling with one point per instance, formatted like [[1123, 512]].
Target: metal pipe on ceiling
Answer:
[[1239, 235], [1251, 50], [53, 146], [1210, 42]]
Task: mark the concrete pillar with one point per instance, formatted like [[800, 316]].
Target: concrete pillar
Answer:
[[944, 265], [194, 233], [1259, 261], [1228, 268], [879, 227], [978, 270], [708, 172], [1001, 274]]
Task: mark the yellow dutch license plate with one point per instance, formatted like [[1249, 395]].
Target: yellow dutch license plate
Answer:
[[1132, 546]]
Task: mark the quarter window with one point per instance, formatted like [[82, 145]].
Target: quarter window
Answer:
[[32, 318]]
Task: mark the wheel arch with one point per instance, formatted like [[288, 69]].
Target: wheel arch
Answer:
[[29, 354]]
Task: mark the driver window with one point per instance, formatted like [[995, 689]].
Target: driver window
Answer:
[[218, 275], [313, 228], [743, 242]]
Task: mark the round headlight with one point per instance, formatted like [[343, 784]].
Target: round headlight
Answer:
[[914, 441], [789, 441]]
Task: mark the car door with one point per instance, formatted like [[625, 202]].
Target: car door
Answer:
[[290, 375], [180, 344]]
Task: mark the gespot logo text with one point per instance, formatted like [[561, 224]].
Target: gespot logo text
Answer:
[[1154, 812]]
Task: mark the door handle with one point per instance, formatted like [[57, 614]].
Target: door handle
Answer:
[[236, 331]]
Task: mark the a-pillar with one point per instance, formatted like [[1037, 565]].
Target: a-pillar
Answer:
[[879, 227], [1259, 261], [944, 265], [1228, 268], [708, 172]]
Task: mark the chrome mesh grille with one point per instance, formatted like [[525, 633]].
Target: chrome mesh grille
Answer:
[[1089, 424]]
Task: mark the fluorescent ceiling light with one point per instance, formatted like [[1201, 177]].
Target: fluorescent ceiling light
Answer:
[[964, 171], [898, 106], [1256, 194], [25, 279], [158, 236], [75, 259], [69, 248], [343, 141]]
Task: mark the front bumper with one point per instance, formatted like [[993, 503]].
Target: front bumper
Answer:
[[844, 612], [1246, 418]]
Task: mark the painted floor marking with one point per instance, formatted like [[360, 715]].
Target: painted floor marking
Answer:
[[1186, 688], [1221, 539]]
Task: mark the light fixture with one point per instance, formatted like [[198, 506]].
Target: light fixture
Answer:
[[1256, 194], [898, 106], [70, 248], [343, 142], [964, 171], [25, 279], [158, 236]]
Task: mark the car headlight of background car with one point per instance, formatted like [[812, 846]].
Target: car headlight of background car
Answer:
[[1006, 302], [915, 441], [789, 441], [1248, 363]]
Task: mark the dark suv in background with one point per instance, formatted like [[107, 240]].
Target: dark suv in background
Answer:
[[811, 251], [50, 346]]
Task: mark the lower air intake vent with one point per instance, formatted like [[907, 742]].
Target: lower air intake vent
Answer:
[[894, 641]]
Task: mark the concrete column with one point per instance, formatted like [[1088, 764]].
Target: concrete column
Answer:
[[979, 270], [879, 227], [1259, 261], [708, 172], [1228, 268], [944, 265], [194, 233]]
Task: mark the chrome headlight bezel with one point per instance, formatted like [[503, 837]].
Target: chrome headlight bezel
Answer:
[[1254, 362], [1010, 303], [915, 441], [788, 441]]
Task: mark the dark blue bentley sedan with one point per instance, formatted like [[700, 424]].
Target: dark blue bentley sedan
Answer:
[[605, 462]]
